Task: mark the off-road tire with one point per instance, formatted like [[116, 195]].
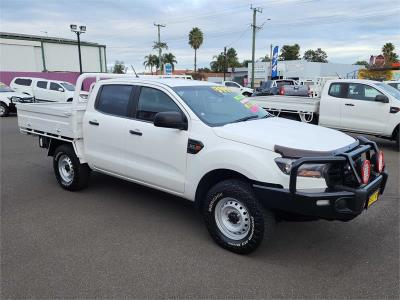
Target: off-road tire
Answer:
[[4, 112], [261, 221], [398, 140], [81, 172]]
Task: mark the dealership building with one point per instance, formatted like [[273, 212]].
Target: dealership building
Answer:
[[33, 53]]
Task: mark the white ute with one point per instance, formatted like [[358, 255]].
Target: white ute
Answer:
[[242, 167], [9, 98], [354, 105]]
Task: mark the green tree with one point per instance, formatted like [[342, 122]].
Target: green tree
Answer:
[[159, 46], [151, 61], [318, 55], [169, 58], [195, 41], [290, 52], [265, 59], [362, 63], [389, 54], [232, 60], [218, 63], [245, 63], [119, 67]]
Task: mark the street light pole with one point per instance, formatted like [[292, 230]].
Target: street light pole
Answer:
[[79, 31], [255, 11]]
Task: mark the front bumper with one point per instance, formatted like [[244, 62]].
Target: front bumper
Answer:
[[338, 201], [342, 203]]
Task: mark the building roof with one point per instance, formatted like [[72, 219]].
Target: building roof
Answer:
[[49, 39]]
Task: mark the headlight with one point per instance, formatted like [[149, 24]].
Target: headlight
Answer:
[[15, 99], [306, 170]]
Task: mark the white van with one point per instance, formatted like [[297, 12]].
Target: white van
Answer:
[[44, 90]]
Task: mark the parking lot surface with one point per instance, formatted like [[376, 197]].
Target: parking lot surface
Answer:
[[117, 239]]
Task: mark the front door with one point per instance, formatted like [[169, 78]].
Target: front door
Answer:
[[155, 155], [361, 112]]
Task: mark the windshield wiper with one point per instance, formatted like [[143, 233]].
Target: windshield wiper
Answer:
[[246, 119]]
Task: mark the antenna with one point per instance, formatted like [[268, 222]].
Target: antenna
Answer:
[[134, 71]]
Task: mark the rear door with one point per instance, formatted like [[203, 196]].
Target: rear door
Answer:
[[331, 105], [155, 155], [361, 112], [105, 126], [41, 91]]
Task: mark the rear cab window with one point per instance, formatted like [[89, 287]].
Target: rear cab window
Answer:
[[23, 81], [337, 90], [114, 99]]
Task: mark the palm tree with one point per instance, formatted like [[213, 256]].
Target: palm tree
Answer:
[[160, 46], [169, 58], [151, 60], [195, 41]]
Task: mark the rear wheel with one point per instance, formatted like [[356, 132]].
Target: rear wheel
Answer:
[[70, 173], [398, 140], [234, 217], [4, 111]]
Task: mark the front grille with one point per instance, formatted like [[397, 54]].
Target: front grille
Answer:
[[343, 173]]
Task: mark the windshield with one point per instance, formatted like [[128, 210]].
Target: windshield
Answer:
[[390, 90], [218, 105], [4, 88], [68, 86]]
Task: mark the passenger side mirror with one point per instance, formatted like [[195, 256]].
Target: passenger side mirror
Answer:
[[171, 119], [60, 89], [381, 98]]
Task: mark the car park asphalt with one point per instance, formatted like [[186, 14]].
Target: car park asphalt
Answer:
[[117, 239]]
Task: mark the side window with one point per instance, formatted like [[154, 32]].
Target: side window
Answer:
[[23, 81], [41, 84], [114, 99], [336, 90], [152, 101], [55, 86], [364, 92]]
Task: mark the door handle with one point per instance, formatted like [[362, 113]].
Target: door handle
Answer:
[[135, 132], [94, 122], [349, 104]]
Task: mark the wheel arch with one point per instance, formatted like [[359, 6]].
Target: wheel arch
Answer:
[[54, 144], [395, 131], [213, 177]]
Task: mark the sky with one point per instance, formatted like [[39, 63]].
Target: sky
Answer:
[[347, 31]]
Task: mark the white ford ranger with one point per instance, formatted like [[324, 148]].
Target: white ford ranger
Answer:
[[243, 168]]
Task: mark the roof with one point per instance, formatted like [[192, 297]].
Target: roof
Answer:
[[41, 38], [171, 82]]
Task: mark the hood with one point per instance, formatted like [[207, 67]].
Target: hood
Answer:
[[273, 131]]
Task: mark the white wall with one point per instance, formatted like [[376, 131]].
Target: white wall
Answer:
[[17, 56], [24, 55], [64, 57]]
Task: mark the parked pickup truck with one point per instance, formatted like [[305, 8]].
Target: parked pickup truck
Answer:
[[242, 167], [354, 105], [271, 87], [44, 90]]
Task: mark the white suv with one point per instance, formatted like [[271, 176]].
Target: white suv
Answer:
[[44, 90]]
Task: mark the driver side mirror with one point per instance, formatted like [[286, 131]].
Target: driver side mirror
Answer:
[[381, 98], [171, 119], [60, 89]]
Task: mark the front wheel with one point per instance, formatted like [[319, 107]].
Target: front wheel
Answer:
[[234, 217], [70, 173], [4, 111], [398, 140]]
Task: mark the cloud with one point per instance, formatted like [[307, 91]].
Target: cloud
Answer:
[[346, 30]]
